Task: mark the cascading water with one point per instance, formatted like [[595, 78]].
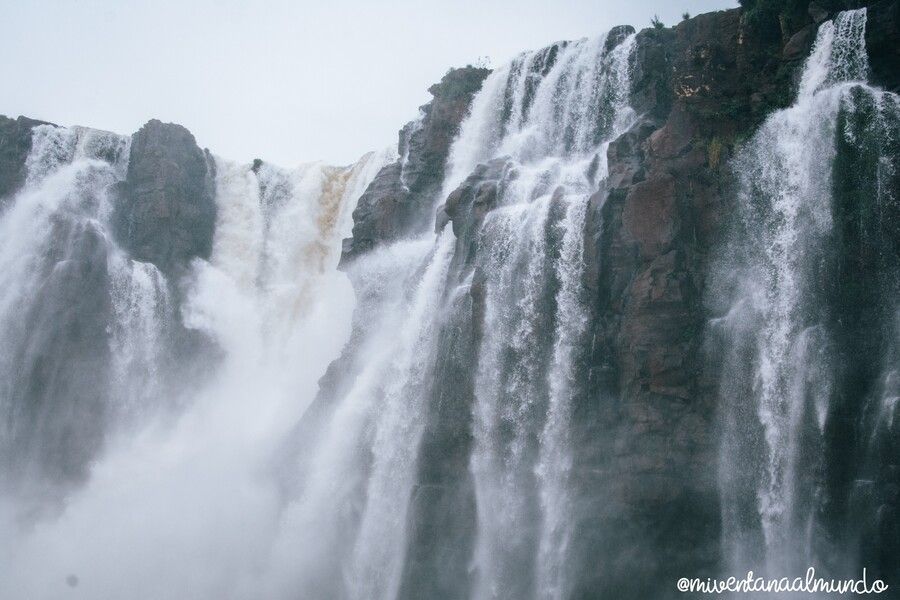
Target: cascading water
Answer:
[[783, 377], [555, 113], [98, 342], [548, 116], [365, 455], [441, 457], [89, 346], [278, 240]]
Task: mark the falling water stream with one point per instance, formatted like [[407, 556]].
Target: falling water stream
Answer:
[[159, 470], [780, 386], [193, 477], [550, 114], [291, 464]]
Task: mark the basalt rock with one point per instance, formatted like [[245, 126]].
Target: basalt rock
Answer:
[[616, 36], [882, 33], [15, 144], [61, 363], [645, 422], [648, 437], [167, 212], [402, 196], [647, 431], [798, 46]]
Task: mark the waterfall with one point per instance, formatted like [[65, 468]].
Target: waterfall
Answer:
[[497, 379], [277, 242], [143, 312], [552, 113], [83, 325], [374, 428], [271, 284], [782, 369], [548, 117], [89, 373]]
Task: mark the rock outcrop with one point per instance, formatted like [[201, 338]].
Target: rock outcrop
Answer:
[[648, 435], [701, 87], [882, 33], [167, 211], [15, 144], [646, 420], [59, 373], [403, 194]]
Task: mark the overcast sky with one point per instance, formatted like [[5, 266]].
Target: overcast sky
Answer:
[[286, 81]]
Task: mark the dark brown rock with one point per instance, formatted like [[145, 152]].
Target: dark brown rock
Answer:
[[647, 440], [817, 12], [167, 212], [15, 144], [883, 43], [675, 137], [616, 36], [649, 215], [651, 86], [401, 197], [798, 46]]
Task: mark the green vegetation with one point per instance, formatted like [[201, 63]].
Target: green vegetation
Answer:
[[775, 18]]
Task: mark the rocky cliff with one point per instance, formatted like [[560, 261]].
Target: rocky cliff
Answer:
[[59, 361], [15, 143], [647, 416], [703, 87], [399, 200], [650, 439], [645, 373], [167, 214]]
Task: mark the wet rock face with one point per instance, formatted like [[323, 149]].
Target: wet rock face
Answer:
[[383, 212], [401, 197], [167, 212], [60, 352], [430, 143], [61, 362], [882, 33], [15, 143], [648, 433], [864, 475], [647, 428], [616, 36], [442, 514]]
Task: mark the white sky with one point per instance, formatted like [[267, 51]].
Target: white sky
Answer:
[[285, 81]]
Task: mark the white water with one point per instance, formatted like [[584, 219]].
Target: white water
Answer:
[[379, 413], [779, 348], [59, 220], [184, 505], [378, 553], [558, 128], [142, 311], [555, 462], [502, 468], [344, 532], [204, 476]]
